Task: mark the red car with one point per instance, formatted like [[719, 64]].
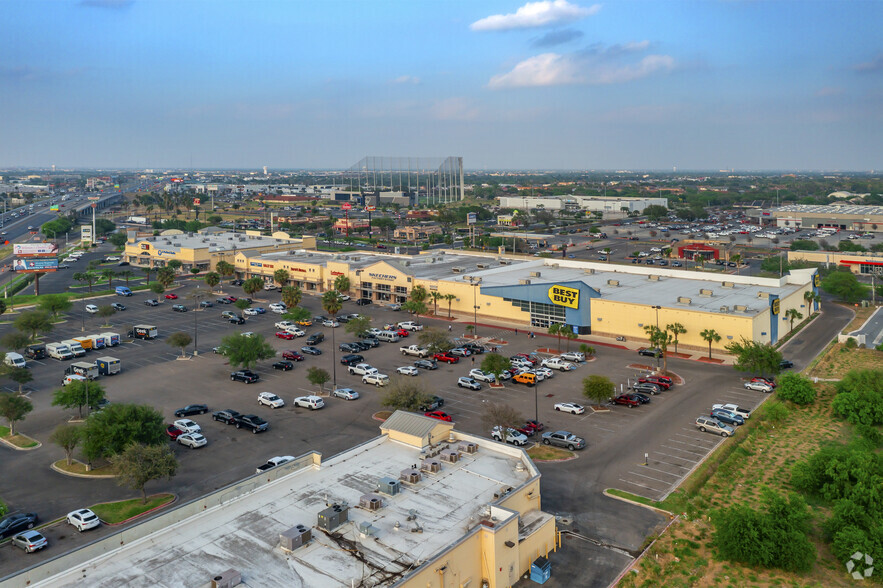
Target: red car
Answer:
[[437, 414], [446, 357], [526, 431], [535, 425], [171, 296], [531, 358], [663, 382], [769, 381], [174, 432], [231, 298], [293, 355], [627, 399], [403, 332], [285, 335]]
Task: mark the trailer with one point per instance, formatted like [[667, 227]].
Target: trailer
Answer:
[[108, 366], [143, 332], [81, 368], [97, 341], [111, 339]]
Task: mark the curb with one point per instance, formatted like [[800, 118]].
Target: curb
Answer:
[[571, 458], [17, 448], [146, 512], [647, 506], [55, 468]]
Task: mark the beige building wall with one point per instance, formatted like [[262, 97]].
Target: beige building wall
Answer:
[[837, 258]]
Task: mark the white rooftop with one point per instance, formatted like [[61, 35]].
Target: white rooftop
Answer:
[[213, 241], [243, 533]]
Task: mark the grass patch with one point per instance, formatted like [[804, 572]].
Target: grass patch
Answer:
[[383, 414], [117, 512], [837, 360], [18, 440], [861, 315], [547, 453], [78, 467]]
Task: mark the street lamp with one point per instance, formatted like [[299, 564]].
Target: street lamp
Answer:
[[475, 281], [656, 308]]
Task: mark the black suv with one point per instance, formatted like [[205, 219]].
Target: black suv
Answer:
[[226, 416], [351, 359], [650, 352], [253, 422], [349, 347], [646, 387], [363, 301], [191, 409], [371, 342], [315, 338], [246, 376], [237, 320]]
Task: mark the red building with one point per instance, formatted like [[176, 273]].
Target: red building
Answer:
[[696, 250]]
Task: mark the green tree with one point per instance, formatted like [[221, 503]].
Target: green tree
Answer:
[[15, 341], [147, 271], [179, 339], [792, 314], [655, 212], [754, 357], [796, 388], [342, 284], [844, 285], [225, 268], [450, 298], [212, 279], [54, 304], [502, 415], [108, 274], [557, 329], [418, 297], [859, 397], [33, 322], [139, 464], [804, 245], [14, 408], [291, 296], [587, 349], [496, 364], [174, 264], [118, 240], [297, 314], [106, 311], [126, 275], [436, 340], [570, 336], [242, 304], [406, 394], [659, 338], [252, 286], [281, 276], [157, 288], [108, 432], [357, 326], [165, 276], [246, 351], [77, 394], [598, 388], [436, 296], [676, 329], [104, 226], [67, 437], [88, 278], [318, 377], [711, 336], [20, 375]]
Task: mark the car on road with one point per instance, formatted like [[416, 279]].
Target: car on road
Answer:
[[629, 400], [14, 523], [310, 350], [727, 417], [464, 382], [285, 335], [151, 302], [646, 388], [192, 440], [311, 402], [734, 408], [407, 370], [171, 296], [118, 307], [438, 414], [426, 364], [376, 379], [187, 426], [786, 364], [446, 357], [481, 376], [283, 365], [650, 352], [713, 425], [30, 541], [270, 399], [226, 416], [571, 407], [246, 376], [83, 519], [191, 409], [179, 308], [564, 439], [758, 386], [509, 435], [345, 393]]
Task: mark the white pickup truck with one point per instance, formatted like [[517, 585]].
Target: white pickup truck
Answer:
[[415, 350], [361, 369], [273, 462], [556, 363]]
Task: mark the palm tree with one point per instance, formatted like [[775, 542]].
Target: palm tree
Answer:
[[811, 299], [88, 278], [291, 296], [711, 336], [450, 298], [793, 314], [212, 279], [281, 276], [109, 275], [342, 284], [570, 336], [435, 295], [675, 329], [331, 303], [146, 271], [126, 274], [737, 259], [558, 329]]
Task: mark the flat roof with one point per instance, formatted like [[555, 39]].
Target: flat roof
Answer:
[[243, 533], [214, 241], [831, 209]]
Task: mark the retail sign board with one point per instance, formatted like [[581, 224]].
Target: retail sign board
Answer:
[[27, 249], [564, 296], [35, 264]]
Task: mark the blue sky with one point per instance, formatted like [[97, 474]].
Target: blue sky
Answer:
[[557, 84]]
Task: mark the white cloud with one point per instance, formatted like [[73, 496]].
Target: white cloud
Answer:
[[535, 14], [406, 80], [553, 69]]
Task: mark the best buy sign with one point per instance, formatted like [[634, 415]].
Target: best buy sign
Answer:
[[563, 296]]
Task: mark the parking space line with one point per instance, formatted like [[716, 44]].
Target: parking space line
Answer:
[[641, 486], [667, 484], [661, 471], [696, 450], [673, 456]]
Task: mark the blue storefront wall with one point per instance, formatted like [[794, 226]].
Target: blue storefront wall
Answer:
[[774, 321], [581, 316]]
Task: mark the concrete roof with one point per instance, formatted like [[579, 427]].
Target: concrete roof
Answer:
[[243, 533], [410, 423], [831, 209], [222, 241]]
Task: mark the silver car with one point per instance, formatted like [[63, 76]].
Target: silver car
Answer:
[[192, 440], [345, 393], [30, 541], [713, 425]]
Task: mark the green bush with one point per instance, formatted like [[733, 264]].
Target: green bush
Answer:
[[835, 471], [796, 388], [859, 397], [776, 412], [851, 343]]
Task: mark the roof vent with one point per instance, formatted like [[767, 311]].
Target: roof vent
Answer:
[[389, 486], [524, 282], [589, 271], [653, 278], [333, 516], [370, 502], [505, 262], [482, 265], [227, 579], [706, 292], [613, 282], [725, 309], [457, 270], [684, 300], [450, 456], [535, 274], [728, 285], [740, 308], [503, 491], [432, 466], [410, 475], [293, 538], [763, 294], [468, 447]]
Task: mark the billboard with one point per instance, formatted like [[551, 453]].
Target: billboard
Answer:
[[346, 206], [35, 264], [86, 233], [26, 249], [471, 218]]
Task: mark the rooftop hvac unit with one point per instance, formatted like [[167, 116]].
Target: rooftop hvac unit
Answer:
[[432, 466], [728, 285], [725, 309], [406, 263], [227, 579], [370, 502], [706, 292], [333, 516], [482, 265], [468, 447], [389, 486], [450, 456], [457, 270], [763, 294], [524, 282], [294, 537], [613, 282], [684, 300], [589, 271], [740, 308], [410, 475], [366, 528], [653, 278], [504, 262], [535, 274]]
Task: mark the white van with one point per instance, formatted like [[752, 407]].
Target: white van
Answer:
[[388, 336], [59, 351], [15, 360], [75, 347], [91, 308]]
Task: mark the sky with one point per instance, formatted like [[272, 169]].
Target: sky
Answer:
[[556, 84]]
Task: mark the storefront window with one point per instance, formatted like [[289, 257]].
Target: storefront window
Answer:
[[541, 314]]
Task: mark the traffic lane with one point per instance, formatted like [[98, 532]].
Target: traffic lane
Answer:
[[811, 340]]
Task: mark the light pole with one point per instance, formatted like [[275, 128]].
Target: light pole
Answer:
[[196, 296], [656, 308], [475, 281]]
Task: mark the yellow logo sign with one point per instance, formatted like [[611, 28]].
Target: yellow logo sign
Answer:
[[776, 306], [816, 280], [564, 296]]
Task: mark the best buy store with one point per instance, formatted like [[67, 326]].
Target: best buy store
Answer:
[[607, 300]]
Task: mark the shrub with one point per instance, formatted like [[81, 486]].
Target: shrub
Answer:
[[777, 412], [796, 388], [859, 397], [851, 343]]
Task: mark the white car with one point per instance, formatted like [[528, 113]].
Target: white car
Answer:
[[192, 440], [512, 436], [83, 519], [545, 372], [571, 407], [270, 399], [408, 370], [558, 364], [410, 326], [361, 369], [376, 379], [91, 308], [330, 323], [188, 426], [250, 312], [296, 331], [344, 297], [477, 374], [521, 363], [113, 258], [278, 307], [736, 409], [575, 356], [345, 393], [247, 334], [758, 386], [284, 325], [468, 383], [311, 402]]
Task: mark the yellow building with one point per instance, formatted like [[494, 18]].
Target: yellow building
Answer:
[[858, 263], [421, 505]]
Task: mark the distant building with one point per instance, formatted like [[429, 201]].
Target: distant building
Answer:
[[417, 232], [837, 216], [606, 206], [351, 225]]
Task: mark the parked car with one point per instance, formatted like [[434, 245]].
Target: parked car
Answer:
[[285, 335], [171, 296], [251, 421], [192, 440], [758, 386], [348, 347], [734, 408], [434, 404], [330, 323], [226, 416], [292, 355], [438, 414], [570, 407], [191, 409], [376, 379], [173, 432], [270, 399], [345, 393], [351, 359], [151, 302], [646, 387], [663, 382], [83, 519], [764, 380], [179, 308], [118, 307], [206, 304], [310, 350], [237, 320], [408, 370], [246, 376], [227, 314], [629, 400], [713, 425], [786, 364], [468, 383], [187, 426], [650, 352], [446, 357], [12, 524], [91, 309], [363, 301], [311, 402], [725, 416], [535, 425], [509, 435], [564, 439], [426, 364], [558, 363], [283, 365], [481, 376], [30, 541]]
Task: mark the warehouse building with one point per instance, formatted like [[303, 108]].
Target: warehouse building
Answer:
[[421, 505], [608, 300], [838, 216], [857, 263], [613, 207]]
